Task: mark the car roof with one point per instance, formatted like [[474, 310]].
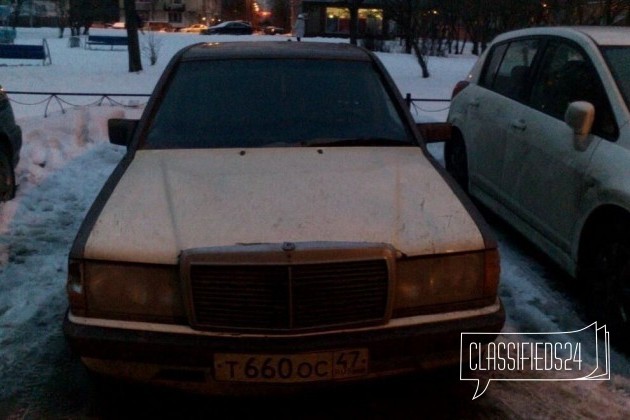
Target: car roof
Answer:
[[275, 49], [600, 35], [231, 22]]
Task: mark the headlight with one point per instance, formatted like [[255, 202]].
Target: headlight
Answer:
[[125, 291], [428, 284]]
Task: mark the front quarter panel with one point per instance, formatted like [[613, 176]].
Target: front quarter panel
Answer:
[[607, 182]]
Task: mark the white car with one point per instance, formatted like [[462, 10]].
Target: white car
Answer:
[[269, 237], [195, 28], [541, 136]]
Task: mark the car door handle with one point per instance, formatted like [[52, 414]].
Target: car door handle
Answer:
[[519, 125]]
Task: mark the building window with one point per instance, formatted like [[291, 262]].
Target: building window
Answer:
[[175, 17], [338, 21]]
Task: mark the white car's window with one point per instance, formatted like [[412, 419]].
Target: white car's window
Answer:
[[510, 76], [567, 75], [274, 102], [618, 59], [494, 61]]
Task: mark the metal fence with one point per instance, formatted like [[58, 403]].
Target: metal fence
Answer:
[[61, 98], [412, 103]]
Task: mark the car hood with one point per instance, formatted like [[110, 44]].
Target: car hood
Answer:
[[171, 200]]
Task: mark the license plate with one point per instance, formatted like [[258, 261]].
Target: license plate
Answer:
[[304, 367]]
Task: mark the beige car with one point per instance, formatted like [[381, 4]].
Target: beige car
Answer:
[[195, 28], [270, 237], [542, 137]]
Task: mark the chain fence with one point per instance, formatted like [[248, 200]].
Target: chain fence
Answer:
[[63, 98], [412, 104]]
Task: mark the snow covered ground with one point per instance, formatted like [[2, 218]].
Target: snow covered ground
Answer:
[[66, 158]]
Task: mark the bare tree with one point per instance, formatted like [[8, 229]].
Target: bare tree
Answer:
[[434, 21], [405, 13], [354, 5], [62, 9], [234, 9], [408, 17], [151, 47], [281, 12], [615, 11], [451, 20], [586, 12], [16, 12], [133, 48]]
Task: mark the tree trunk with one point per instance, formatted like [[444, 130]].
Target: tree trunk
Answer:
[[133, 48], [421, 60], [16, 13], [354, 23]]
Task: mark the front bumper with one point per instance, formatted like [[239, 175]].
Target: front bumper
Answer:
[[185, 359]]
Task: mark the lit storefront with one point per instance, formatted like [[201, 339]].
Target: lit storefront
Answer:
[[332, 18], [338, 20]]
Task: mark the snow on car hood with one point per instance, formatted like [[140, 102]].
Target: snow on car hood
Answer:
[[171, 200]]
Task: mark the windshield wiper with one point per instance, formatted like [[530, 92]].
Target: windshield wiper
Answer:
[[354, 141]]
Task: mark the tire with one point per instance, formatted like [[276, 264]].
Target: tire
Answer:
[[456, 160], [606, 270], [7, 177]]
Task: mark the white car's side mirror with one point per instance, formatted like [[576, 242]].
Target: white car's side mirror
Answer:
[[580, 116]]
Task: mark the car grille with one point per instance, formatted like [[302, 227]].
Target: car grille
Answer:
[[287, 297]]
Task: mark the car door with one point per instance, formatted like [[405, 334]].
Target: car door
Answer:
[[491, 109], [544, 170]]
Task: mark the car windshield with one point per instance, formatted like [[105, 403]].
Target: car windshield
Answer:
[[273, 103], [618, 59]]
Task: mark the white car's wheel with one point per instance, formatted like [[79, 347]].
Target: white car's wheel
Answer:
[[606, 269], [7, 177], [456, 160]]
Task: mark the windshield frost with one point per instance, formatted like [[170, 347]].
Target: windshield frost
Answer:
[[258, 103]]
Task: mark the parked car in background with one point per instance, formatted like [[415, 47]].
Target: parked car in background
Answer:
[[542, 137], [117, 25], [231, 28], [159, 26], [195, 28], [273, 30], [268, 237], [10, 145]]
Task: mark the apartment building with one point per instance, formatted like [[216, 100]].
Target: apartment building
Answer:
[[179, 13]]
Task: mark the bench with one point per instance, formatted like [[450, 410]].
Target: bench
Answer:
[[106, 40], [26, 52]]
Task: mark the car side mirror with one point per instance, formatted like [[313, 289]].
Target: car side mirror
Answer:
[[435, 132], [580, 116], [121, 130]]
